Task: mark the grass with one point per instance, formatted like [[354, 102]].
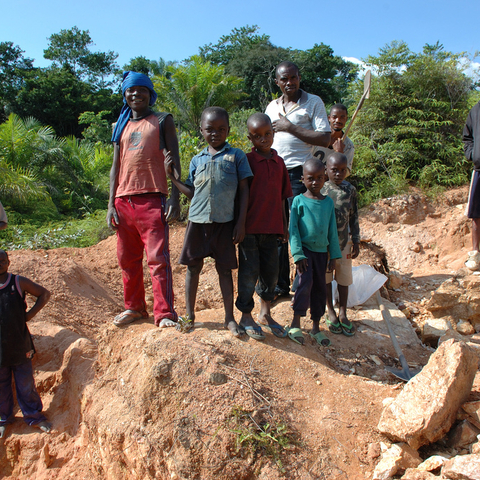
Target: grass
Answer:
[[27, 233]]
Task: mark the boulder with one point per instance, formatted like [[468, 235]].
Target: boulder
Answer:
[[465, 327], [415, 474], [432, 463], [462, 467], [433, 329], [472, 409], [426, 408], [395, 460], [463, 435]]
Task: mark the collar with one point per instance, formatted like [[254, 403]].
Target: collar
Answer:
[[260, 158], [206, 152]]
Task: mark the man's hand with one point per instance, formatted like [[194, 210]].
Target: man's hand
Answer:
[[283, 124], [338, 145], [331, 265], [169, 165], [172, 209], [355, 250], [112, 218], [301, 266]]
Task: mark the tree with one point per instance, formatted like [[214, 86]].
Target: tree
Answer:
[[13, 69], [71, 49], [252, 57], [148, 67], [410, 128], [189, 88]]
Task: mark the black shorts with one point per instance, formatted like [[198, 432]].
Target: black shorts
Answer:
[[209, 240], [474, 196]]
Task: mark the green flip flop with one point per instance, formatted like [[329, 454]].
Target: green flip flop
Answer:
[[321, 339], [348, 330], [334, 327], [296, 335]]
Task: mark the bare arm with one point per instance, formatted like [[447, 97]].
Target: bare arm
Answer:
[[42, 294], [174, 176], [3, 225], [239, 229], [312, 137], [112, 217], [171, 143]]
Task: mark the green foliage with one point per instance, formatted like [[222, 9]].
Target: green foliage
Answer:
[[190, 88], [99, 129], [13, 69], [148, 67], [261, 438], [410, 128], [71, 49], [30, 232]]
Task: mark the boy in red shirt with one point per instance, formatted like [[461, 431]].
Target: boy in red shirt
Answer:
[[266, 221]]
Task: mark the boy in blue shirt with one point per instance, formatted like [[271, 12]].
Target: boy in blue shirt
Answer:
[[215, 175], [314, 244]]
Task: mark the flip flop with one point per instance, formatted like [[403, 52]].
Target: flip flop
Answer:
[[295, 334], [348, 330], [334, 327], [277, 330], [254, 332], [321, 339], [126, 317]]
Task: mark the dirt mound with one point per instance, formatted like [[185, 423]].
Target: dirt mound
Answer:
[[140, 402]]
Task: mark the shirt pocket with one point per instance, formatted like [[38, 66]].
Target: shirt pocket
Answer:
[[201, 175], [228, 170]]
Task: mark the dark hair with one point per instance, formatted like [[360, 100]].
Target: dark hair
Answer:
[[314, 162], [215, 111], [339, 106], [3, 251], [337, 156], [286, 64], [258, 118]]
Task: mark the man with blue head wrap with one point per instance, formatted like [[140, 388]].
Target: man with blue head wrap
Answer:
[[138, 208]]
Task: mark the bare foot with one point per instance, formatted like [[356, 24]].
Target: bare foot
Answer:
[[235, 330]]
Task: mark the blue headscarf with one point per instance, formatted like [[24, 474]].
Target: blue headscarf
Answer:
[[131, 79]]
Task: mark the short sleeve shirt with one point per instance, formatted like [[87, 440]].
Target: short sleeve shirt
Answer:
[[215, 179], [309, 113], [3, 215], [269, 187]]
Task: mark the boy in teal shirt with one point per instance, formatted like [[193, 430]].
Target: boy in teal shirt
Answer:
[[314, 245]]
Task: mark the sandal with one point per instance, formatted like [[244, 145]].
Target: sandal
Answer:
[[321, 339], [295, 334], [335, 328], [128, 316], [348, 330]]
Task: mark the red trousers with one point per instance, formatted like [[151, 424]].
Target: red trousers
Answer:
[[142, 225]]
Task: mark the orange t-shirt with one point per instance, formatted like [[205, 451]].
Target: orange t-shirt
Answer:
[[141, 168]]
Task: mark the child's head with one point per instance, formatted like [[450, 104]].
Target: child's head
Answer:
[[338, 117], [4, 262], [138, 91], [313, 175], [337, 168], [215, 126], [260, 132]]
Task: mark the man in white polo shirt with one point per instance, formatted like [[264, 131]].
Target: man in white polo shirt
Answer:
[[300, 123]]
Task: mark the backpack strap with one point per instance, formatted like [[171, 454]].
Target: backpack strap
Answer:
[[161, 127]]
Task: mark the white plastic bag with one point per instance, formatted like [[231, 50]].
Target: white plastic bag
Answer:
[[366, 281]]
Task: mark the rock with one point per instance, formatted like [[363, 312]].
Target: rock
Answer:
[[476, 448], [426, 408], [395, 280], [472, 409], [432, 463], [462, 467], [461, 338], [463, 435], [218, 378], [465, 328], [374, 451], [395, 460], [433, 329], [415, 474]]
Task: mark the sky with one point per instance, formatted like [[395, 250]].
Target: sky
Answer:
[[175, 30]]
